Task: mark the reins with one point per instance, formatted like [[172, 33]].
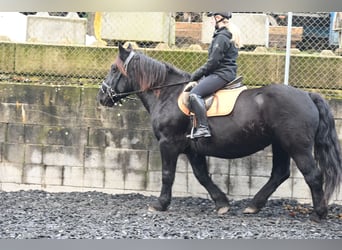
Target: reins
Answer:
[[142, 91]]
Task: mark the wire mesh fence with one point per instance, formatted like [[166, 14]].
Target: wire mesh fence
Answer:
[[315, 42]]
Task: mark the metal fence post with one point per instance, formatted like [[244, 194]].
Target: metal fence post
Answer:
[[288, 49]]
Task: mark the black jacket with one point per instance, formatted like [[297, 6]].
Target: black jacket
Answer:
[[222, 55]]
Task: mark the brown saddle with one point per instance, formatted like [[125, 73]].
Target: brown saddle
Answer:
[[218, 104]]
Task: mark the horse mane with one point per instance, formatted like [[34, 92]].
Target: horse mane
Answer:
[[147, 71], [177, 71]]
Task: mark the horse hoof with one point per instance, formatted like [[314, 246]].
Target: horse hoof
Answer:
[[315, 218], [156, 207], [222, 210], [151, 209], [250, 210]]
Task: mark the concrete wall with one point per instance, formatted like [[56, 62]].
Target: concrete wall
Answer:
[[42, 28], [59, 139], [139, 26]]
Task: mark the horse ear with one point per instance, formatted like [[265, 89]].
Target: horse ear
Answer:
[[122, 50], [123, 53], [130, 46]]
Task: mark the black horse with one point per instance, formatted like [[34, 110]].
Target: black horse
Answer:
[[296, 124]]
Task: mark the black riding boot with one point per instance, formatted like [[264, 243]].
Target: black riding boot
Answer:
[[197, 106]]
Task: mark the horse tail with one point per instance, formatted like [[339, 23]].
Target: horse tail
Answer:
[[327, 148]]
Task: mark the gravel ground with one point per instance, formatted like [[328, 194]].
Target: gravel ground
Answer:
[[95, 215]]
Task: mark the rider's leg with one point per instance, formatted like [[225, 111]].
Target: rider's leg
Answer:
[[198, 107], [205, 87]]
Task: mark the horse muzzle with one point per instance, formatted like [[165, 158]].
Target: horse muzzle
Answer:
[[104, 99]]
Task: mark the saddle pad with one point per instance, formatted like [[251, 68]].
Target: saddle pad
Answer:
[[223, 102]]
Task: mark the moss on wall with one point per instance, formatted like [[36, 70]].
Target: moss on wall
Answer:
[[7, 52], [63, 60], [316, 71], [94, 63]]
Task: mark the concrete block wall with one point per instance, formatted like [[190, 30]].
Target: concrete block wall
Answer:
[[139, 26], [66, 30], [59, 139]]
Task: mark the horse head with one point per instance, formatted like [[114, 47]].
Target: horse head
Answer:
[[133, 73], [116, 85]]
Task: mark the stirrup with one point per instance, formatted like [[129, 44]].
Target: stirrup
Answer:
[[191, 135], [193, 121]]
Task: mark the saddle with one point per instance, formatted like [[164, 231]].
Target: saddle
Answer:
[[220, 103]]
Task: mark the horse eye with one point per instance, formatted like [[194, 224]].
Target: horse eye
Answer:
[[114, 68]]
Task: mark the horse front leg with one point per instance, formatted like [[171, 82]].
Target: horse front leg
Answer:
[[200, 170], [169, 161]]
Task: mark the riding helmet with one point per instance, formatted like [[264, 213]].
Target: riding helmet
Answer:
[[227, 15]]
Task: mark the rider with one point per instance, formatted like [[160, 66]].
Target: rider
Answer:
[[219, 69]]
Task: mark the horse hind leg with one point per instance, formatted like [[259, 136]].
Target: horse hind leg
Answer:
[[280, 173], [200, 170], [314, 178]]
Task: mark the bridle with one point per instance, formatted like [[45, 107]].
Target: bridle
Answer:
[[109, 90], [113, 95]]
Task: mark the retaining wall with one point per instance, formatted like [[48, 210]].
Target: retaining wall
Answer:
[[94, 62], [57, 138]]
